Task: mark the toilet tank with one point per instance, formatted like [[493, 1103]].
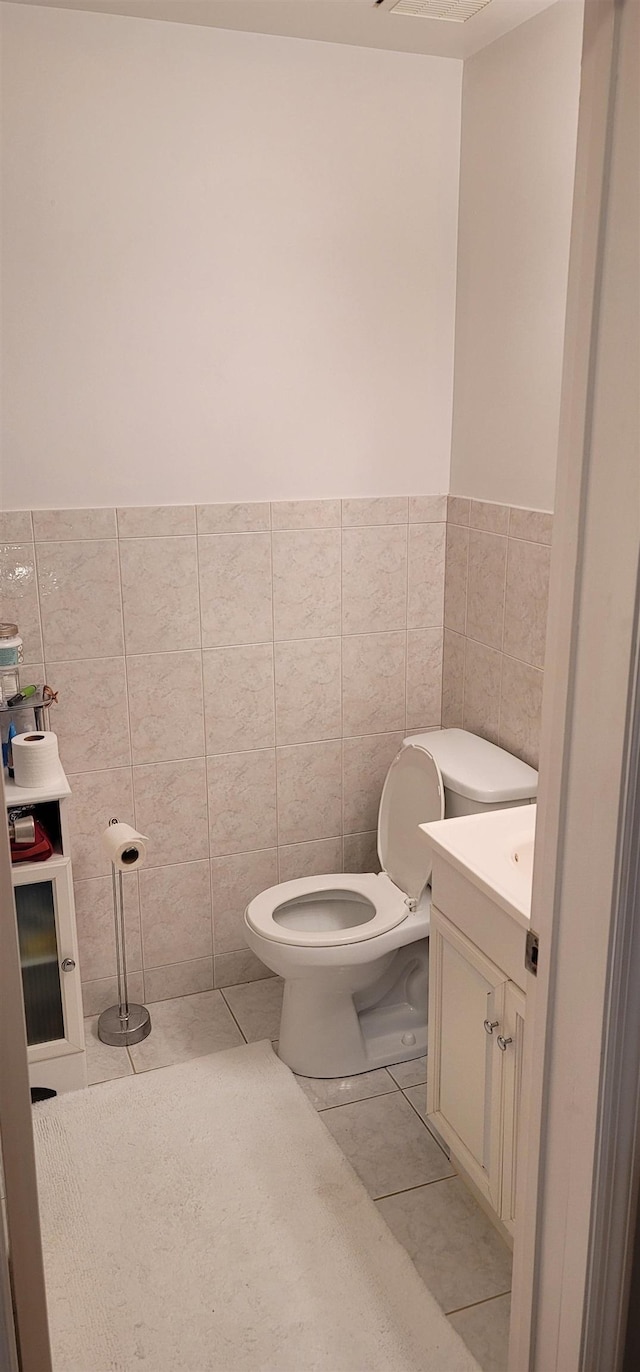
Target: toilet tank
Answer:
[[477, 775]]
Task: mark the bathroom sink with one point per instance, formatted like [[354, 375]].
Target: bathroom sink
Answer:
[[494, 851]]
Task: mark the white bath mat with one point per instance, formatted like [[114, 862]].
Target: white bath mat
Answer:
[[200, 1218]]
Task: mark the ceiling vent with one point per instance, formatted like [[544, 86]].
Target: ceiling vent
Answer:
[[456, 11]]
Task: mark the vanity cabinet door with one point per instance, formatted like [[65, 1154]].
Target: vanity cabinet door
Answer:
[[466, 1012], [513, 1037]]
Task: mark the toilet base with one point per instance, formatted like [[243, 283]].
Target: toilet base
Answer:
[[328, 1031]]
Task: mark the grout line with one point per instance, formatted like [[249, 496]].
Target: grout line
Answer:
[[472, 1306], [324, 1109], [235, 1020], [206, 766], [275, 698], [404, 1189]]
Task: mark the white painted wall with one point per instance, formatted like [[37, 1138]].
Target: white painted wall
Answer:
[[229, 264], [519, 128]]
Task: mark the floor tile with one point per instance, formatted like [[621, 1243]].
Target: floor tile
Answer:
[[457, 1251], [411, 1073], [387, 1144], [332, 1091], [188, 1027], [485, 1330], [257, 1005], [418, 1097], [103, 1063]]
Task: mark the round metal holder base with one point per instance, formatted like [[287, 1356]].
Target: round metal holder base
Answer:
[[120, 1032]]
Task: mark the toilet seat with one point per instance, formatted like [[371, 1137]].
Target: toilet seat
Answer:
[[344, 908], [377, 894]]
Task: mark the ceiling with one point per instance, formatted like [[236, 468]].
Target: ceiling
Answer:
[[358, 22]]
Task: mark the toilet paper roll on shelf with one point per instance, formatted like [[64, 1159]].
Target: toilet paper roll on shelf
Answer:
[[124, 846], [36, 761]]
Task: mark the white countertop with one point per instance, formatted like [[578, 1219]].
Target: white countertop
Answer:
[[494, 851]]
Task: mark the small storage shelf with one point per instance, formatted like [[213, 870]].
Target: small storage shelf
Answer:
[[45, 914]]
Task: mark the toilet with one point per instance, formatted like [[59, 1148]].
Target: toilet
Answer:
[[353, 950]]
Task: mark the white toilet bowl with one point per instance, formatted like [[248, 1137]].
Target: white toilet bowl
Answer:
[[353, 950], [355, 974]]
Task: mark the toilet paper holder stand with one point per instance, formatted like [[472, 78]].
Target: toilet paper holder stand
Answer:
[[124, 1023]]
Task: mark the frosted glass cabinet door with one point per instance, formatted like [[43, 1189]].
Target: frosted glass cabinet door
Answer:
[[466, 1002], [46, 937]]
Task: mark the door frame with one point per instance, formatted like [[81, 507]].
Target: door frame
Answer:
[[573, 1166]]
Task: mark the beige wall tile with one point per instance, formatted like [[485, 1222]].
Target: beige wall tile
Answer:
[[233, 969], [181, 979], [242, 517], [366, 763], [91, 718], [373, 684], [59, 525], [165, 706], [534, 525], [458, 509], [306, 583], [310, 859], [425, 606], [361, 852], [455, 590], [156, 521], [99, 995], [485, 593], [381, 509], [235, 881], [309, 792], [171, 809], [483, 671], [239, 698], [242, 802], [424, 678], [79, 584], [19, 596], [520, 710], [16, 526], [425, 509], [239, 517], [493, 519], [452, 679], [160, 594], [308, 690], [374, 579], [527, 601], [95, 926], [96, 797], [175, 913], [235, 589], [305, 514]]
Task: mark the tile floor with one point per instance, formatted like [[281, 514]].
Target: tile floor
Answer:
[[378, 1121]]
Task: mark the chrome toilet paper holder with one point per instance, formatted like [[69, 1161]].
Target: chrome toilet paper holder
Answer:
[[122, 1024]]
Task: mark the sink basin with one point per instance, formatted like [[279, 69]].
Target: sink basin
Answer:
[[495, 851]]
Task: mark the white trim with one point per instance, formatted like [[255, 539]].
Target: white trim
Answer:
[[585, 719]]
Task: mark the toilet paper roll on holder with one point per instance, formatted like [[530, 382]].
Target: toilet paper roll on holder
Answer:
[[122, 1024]]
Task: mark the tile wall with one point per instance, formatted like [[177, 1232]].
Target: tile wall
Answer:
[[495, 618], [234, 680]]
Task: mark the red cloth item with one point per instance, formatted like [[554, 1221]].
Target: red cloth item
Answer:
[[38, 851]]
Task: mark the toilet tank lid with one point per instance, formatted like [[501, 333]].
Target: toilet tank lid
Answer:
[[477, 769]]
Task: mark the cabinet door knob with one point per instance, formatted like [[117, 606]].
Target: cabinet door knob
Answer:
[[67, 965], [503, 1043], [491, 1024]]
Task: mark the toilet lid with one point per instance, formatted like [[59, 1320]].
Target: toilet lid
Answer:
[[413, 794]]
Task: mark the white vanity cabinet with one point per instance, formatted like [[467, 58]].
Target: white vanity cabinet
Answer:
[[476, 1029]]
